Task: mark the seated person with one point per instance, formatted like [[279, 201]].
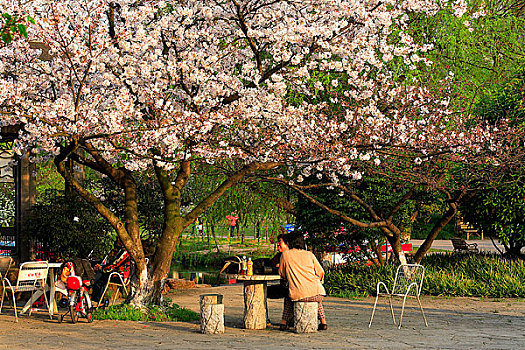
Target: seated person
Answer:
[[118, 260], [75, 267], [280, 290], [304, 275]]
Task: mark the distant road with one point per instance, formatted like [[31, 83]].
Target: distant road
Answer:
[[445, 244]]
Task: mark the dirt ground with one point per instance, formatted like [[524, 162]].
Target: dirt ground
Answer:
[[453, 323]]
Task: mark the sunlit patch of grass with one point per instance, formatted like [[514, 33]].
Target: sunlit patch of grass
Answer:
[[165, 313]]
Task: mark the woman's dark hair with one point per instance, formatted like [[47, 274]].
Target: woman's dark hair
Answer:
[[295, 240]]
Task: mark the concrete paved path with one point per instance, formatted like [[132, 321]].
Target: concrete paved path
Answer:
[[454, 323]]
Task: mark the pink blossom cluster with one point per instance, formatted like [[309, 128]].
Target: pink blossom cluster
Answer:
[[156, 81]]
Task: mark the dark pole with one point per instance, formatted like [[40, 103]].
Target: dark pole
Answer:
[[18, 200]]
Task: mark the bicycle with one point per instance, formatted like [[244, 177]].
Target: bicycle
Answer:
[[79, 301]]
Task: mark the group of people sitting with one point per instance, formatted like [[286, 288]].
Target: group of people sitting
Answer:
[[302, 277], [118, 260]]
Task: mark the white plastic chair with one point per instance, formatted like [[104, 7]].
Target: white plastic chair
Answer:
[[32, 277], [408, 282]]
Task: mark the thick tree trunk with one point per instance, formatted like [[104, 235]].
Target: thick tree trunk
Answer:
[[445, 219], [142, 288], [397, 249], [149, 286], [148, 279]]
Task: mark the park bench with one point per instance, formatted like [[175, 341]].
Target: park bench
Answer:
[[460, 245]]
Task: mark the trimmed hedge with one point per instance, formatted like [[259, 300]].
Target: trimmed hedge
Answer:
[[470, 275]]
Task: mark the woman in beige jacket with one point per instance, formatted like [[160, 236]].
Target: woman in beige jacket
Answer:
[[304, 275]]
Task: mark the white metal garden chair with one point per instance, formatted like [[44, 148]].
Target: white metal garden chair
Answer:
[[407, 284], [118, 280], [32, 277], [5, 264]]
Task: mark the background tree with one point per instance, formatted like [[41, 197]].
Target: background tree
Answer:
[[66, 227], [498, 208], [326, 231], [131, 86], [500, 213], [454, 171], [473, 50], [477, 44]]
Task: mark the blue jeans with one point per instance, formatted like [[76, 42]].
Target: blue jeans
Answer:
[[232, 231]]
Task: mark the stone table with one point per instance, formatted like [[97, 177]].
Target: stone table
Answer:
[[255, 306]]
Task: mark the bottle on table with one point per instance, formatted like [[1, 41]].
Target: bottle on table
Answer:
[[244, 266], [249, 267]]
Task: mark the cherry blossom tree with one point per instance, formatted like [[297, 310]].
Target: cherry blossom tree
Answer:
[[125, 86], [456, 172]]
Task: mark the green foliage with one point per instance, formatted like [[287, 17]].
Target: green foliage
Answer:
[[504, 102], [12, 25], [119, 312], [482, 275], [67, 226], [325, 229], [500, 212], [423, 226], [192, 259], [152, 313], [255, 203], [175, 312], [7, 207], [499, 209], [477, 52], [48, 178], [357, 279], [477, 275]]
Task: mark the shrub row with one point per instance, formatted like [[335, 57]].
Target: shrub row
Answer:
[[473, 275]]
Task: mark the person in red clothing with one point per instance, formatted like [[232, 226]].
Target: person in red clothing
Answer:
[[233, 221], [118, 260]]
